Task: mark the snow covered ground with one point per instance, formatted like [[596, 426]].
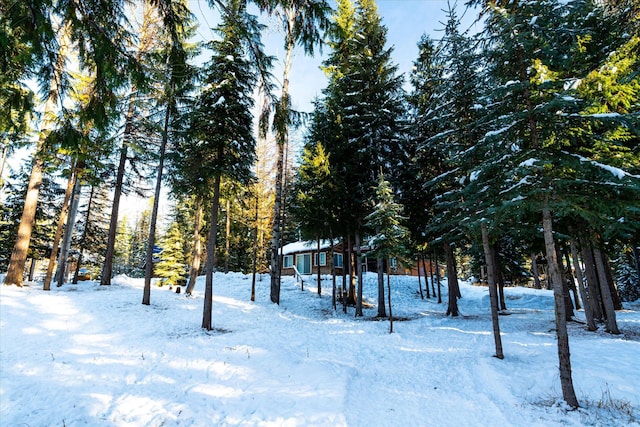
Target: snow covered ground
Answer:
[[85, 355]]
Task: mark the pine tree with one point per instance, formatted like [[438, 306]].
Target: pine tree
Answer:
[[222, 123], [389, 240], [123, 248], [171, 266], [363, 104]]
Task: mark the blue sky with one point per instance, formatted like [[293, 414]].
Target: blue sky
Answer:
[[406, 21]]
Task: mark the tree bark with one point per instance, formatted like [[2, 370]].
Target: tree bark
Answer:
[[493, 291], [381, 303], [437, 277], [59, 229], [499, 277], [255, 252], [588, 313], [389, 296], [197, 247], [593, 287], [83, 239], [420, 277], [15, 271], [617, 302], [452, 281], [351, 294], [431, 277], [571, 281], [359, 312], [107, 268], [61, 273], [636, 257], [535, 272], [333, 275], [566, 382], [568, 304], [318, 262], [209, 265], [148, 271], [346, 271], [605, 292], [227, 239]]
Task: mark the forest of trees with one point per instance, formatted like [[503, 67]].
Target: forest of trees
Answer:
[[506, 153]]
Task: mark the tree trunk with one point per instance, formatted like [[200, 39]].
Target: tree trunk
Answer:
[[107, 268], [452, 281], [255, 252], [227, 240], [499, 277], [148, 271], [346, 271], [59, 229], [61, 273], [15, 271], [389, 296], [197, 247], [593, 287], [282, 136], [493, 291], [83, 239], [5, 152], [351, 294], [588, 313], [568, 304], [381, 303], [211, 249], [636, 257], [420, 277], [605, 292], [617, 302], [535, 272], [359, 312], [566, 382], [431, 277], [435, 255], [333, 275], [318, 262], [32, 268], [571, 281]]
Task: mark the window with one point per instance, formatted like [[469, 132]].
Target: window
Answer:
[[287, 261], [323, 259], [337, 260], [394, 264]]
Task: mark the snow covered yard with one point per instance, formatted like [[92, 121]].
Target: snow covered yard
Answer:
[[89, 355]]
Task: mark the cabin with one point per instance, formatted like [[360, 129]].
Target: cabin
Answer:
[[305, 257]]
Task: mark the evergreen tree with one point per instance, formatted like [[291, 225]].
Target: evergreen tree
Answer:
[[171, 266], [363, 103], [221, 123], [389, 241], [123, 248]]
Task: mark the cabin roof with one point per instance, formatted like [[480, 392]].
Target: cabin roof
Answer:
[[306, 246]]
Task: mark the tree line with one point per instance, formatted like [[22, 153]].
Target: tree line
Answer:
[[515, 145]]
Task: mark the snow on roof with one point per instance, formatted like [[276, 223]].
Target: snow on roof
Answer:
[[308, 245]]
